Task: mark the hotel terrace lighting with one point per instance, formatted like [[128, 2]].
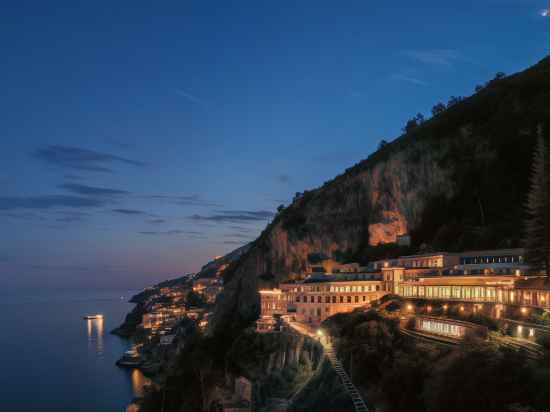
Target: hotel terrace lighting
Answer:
[[523, 311]]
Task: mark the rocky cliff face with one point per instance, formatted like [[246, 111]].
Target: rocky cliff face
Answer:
[[457, 181]]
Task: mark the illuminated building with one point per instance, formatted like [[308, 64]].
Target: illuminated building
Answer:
[[316, 298]]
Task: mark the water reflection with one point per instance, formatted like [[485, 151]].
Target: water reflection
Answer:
[[94, 328], [138, 382]]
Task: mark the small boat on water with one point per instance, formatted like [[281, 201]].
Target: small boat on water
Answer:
[[130, 359], [96, 316]]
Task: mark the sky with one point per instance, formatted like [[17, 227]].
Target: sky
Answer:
[[141, 139]]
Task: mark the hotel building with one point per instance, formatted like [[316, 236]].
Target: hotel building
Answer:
[[494, 276]]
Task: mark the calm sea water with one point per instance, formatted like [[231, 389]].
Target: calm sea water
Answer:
[[53, 360]]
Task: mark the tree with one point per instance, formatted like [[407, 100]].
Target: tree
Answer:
[[499, 75], [438, 109], [537, 225], [454, 100], [280, 208], [414, 122], [479, 88], [383, 143]]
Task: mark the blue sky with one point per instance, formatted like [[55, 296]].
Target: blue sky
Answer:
[[140, 139]]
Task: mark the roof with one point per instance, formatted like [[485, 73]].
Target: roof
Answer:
[[494, 252], [464, 280], [342, 277], [533, 283]]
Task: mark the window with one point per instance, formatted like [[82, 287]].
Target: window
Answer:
[[327, 299], [349, 299], [364, 298], [319, 299], [334, 299], [297, 298], [341, 299], [356, 299], [312, 299]]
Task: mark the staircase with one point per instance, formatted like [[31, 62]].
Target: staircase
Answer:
[[356, 398]]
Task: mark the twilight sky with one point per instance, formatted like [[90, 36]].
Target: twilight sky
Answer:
[[140, 139]]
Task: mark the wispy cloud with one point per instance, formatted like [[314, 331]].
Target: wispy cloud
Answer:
[[441, 57], [188, 233], [71, 216], [233, 216], [239, 235], [234, 242], [156, 221], [544, 13], [91, 190], [48, 202], [77, 158], [184, 200], [191, 97], [409, 79], [132, 212]]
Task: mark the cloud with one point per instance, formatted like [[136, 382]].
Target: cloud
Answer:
[[71, 216], [238, 235], [233, 216], [192, 234], [48, 202], [91, 190], [234, 242], [184, 200], [72, 177], [285, 179], [130, 212], [544, 12], [242, 229], [76, 158], [192, 98], [409, 79], [440, 57], [156, 221]]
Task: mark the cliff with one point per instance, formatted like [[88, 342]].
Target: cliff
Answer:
[[457, 181]]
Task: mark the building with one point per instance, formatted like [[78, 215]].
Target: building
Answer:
[[494, 276], [273, 302], [319, 297], [503, 261], [429, 262]]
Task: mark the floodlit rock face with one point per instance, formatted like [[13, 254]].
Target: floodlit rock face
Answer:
[[371, 207], [458, 181]]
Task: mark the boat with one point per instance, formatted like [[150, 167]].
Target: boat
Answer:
[[96, 316], [130, 359]]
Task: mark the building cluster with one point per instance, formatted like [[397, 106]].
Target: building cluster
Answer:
[[210, 288], [492, 276]]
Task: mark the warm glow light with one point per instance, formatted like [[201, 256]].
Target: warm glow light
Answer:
[[409, 307], [520, 329], [319, 332], [429, 308], [462, 308], [445, 307], [524, 310], [531, 332]]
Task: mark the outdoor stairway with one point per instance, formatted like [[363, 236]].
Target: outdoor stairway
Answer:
[[358, 402]]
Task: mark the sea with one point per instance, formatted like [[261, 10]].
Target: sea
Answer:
[[51, 359]]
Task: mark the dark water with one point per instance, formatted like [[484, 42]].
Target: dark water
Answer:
[[53, 360]]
